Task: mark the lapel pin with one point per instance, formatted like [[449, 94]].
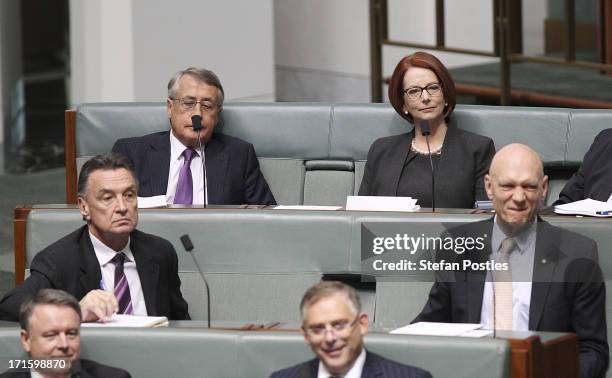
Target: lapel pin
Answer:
[[543, 261]]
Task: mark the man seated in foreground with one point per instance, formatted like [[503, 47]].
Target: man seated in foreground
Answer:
[[107, 264], [50, 334], [552, 281], [333, 326]]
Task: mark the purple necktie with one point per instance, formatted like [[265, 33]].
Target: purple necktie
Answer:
[[184, 188], [122, 289]]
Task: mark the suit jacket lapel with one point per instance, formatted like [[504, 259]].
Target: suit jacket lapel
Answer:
[[371, 367], [216, 167], [309, 369], [546, 257], [475, 281], [148, 272], [447, 165], [158, 164], [90, 275], [401, 155]]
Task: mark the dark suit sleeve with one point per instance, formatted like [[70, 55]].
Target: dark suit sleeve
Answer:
[[574, 189], [588, 316], [41, 277], [178, 305], [438, 306], [365, 189], [257, 191], [483, 161]]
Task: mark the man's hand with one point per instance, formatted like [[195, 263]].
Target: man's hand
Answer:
[[98, 304]]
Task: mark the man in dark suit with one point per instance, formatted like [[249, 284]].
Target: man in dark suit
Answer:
[[554, 282], [334, 326], [50, 334], [163, 160], [594, 178], [107, 264]]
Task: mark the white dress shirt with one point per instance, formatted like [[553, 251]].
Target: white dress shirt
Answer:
[[354, 371], [104, 254], [176, 163], [521, 262]]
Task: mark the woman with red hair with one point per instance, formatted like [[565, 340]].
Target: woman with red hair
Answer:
[[422, 90]]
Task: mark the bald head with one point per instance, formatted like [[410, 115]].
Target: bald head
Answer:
[[519, 156], [517, 186]]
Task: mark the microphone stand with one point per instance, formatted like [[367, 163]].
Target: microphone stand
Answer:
[[197, 127], [188, 245], [425, 131], [203, 160]]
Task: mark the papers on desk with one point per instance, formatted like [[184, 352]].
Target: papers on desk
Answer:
[[134, 321], [151, 202], [443, 329], [588, 207], [379, 203], [305, 207]]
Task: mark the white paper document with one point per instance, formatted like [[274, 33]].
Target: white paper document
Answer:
[[439, 329], [380, 203], [588, 207], [121, 320], [305, 207], [151, 202]]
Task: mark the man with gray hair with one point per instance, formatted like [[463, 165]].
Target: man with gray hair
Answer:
[[170, 162], [50, 334], [333, 326], [107, 264]]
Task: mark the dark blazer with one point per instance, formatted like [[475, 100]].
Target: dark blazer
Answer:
[[70, 264], [232, 168], [375, 366], [459, 177], [594, 177], [567, 293], [84, 369]]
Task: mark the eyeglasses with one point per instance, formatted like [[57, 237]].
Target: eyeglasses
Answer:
[[338, 327], [416, 92], [188, 103]]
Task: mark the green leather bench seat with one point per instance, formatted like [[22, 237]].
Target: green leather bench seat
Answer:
[[176, 352], [314, 153], [260, 262]]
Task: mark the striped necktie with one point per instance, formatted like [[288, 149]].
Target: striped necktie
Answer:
[[122, 289]]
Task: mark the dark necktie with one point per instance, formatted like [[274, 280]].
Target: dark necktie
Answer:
[[122, 289], [184, 187]]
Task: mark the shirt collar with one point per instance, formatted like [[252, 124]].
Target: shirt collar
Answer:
[[523, 240], [105, 254], [177, 148], [354, 372]]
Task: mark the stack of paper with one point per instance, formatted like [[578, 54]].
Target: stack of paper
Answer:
[[380, 203], [120, 320], [151, 202], [587, 207], [443, 329]]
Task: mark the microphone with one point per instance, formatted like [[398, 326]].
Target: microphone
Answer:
[[426, 131], [196, 121], [188, 245]]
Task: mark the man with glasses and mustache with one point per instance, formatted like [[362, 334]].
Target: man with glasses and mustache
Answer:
[[169, 162], [334, 326]]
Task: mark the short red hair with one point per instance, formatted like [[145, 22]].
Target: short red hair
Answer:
[[423, 60]]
